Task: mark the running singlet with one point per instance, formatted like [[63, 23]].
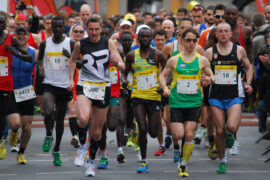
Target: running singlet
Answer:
[[186, 91], [115, 81], [145, 78], [6, 79], [31, 41], [226, 69], [175, 48], [96, 70], [202, 28], [56, 64]]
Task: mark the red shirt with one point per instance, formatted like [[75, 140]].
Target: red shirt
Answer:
[[6, 79], [115, 88]]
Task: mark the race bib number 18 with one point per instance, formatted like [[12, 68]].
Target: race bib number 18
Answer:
[[3, 66], [24, 94], [225, 74], [56, 61], [94, 90], [188, 84]]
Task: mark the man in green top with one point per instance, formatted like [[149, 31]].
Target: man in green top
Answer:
[[185, 95]]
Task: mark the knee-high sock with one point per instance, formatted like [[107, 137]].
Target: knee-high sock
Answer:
[[187, 150]]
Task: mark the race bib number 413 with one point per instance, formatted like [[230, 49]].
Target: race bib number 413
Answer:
[[24, 94], [225, 74], [146, 80], [3, 66], [94, 90], [188, 84], [56, 61]]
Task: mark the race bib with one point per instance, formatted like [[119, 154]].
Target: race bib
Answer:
[[3, 66], [94, 90], [113, 75], [24, 94], [225, 74], [146, 80], [188, 84], [56, 61]]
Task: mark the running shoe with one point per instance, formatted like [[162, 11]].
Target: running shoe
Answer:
[[235, 148], [21, 159], [176, 156], [168, 141], [80, 156], [75, 141], [103, 164], [13, 138], [183, 171], [139, 156], [212, 151], [135, 134], [15, 148], [125, 138], [199, 134], [160, 151], [226, 155], [221, 168], [137, 147], [129, 142], [3, 151], [143, 167], [229, 140], [120, 157], [47, 143], [56, 158], [90, 168]]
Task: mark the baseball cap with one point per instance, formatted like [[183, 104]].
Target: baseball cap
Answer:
[[130, 17], [141, 27], [125, 22], [21, 17]]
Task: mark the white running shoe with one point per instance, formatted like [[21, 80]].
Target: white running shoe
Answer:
[[90, 168], [235, 149], [139, 156], [227, 152], [80, 156], [15, 148]]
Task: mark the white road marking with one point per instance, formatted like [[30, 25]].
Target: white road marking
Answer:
[[7, 174], [66, 172], [45, 160]]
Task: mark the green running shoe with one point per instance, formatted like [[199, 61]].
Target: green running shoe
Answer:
[[221, 168], [56, 158], [229, 140], [47, 143]]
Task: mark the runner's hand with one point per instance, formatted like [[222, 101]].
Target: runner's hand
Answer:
[[70, 86], [205, 80], [166, 92], [248, 88], [80, 63]]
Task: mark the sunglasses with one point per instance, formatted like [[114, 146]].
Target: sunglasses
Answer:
[[219, 16], [189, 40], [77, 31]]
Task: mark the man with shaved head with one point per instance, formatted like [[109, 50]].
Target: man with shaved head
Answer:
[[226, 95], [85, 13], [168, 26]]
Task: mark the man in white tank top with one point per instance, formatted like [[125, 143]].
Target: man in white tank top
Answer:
[[54, 66]]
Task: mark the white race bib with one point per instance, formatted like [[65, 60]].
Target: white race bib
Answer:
[[24, 94], [146, 80], [94, 90], [57, 61], [113, 75], [3, 66], [188, 84], [225, 75]]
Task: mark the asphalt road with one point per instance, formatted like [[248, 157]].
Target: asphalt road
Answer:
[[248, 165]]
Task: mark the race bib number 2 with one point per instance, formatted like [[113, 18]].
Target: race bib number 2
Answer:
[[3, 66], [56, 61], [94, 90], [24, 94], [188, 84], [225, 74]]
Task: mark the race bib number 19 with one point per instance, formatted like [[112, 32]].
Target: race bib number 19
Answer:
[[56, 61], [24, 94], [94, 90], [188, 84], [3, 66], [225, 74]]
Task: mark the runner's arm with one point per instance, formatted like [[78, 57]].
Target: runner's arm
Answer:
[[245, 61], [40, 58], [21, 53], [115, 56], [129, 61], [206, 69], [163, 76]]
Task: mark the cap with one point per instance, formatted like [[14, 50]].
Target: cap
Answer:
[[21, 17], [21, 28], [125, 22], [141, 27], [130, 17]]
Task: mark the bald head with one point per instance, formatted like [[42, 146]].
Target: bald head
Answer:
[[224, 25], [85, 13], [168, 26]]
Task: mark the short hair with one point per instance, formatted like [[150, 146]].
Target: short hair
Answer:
[[147, 13], [151, 24], [258, 19], [198, 5], [241, 15], [49, 16], [209, 8], [219, 7], [183, 10], [136, 10], [190, 30], [158, 20], [186, 19], [58, 18], [224, 23], [94, 20], [160, 32]]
